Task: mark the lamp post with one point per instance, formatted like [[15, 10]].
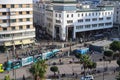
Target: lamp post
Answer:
[[103, 65], [14, 70]]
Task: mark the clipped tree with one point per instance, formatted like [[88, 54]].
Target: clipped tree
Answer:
[[7, 77], [3, 49], [38, 69], [118, 62], [108, 53], [54, 69], [115, 46]]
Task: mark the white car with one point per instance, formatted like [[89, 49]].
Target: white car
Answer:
[[87, 77]]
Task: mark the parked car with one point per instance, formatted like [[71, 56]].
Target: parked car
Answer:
[[87, 77]]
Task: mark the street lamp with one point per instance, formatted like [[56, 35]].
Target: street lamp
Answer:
[[70, 47]]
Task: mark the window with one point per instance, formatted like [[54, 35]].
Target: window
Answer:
[[117, 12], [78, 15], [27, 19], [96, 13], [105, 13], [13, 28], [27, 12], [67, 15], [87, 26], [3, 6], [56, 15], [20, 27], [71, 15], [20, 12], [58, 21], [4, 29], [108, 18], [92, 14], [79, 27], [13, 20], [101, 24], [59, 15], [4, 21], [4, 13], [108, 24], [27, 5], [12, 5], [86, 14], [69, 21], [28, 26], [89, 14], [94, 19], [20, 5], [87, 20], [102, 13], [80, 20], [94, 25], [82, 14], [100, 19], [99, 13], [20, 20]]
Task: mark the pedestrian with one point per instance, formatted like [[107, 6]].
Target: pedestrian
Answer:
[[73, 59], [73, 73], [23, 77], [114, 71], [76, 76]]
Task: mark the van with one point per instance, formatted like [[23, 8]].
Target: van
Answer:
[[87, 77]]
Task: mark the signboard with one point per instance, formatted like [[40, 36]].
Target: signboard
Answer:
[[27, 61]]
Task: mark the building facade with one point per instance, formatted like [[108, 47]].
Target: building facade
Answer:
[[68, 19], [116, 18], [16, 22]]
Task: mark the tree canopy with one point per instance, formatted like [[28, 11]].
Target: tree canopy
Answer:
[[115, 46], [108, 53], [54, 69], [38, 69]]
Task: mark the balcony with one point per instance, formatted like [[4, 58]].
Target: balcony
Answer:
[[16, 38], [16, 31]]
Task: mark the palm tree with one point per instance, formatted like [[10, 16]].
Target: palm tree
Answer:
[[85, 61], [92, 65], [38, 70]]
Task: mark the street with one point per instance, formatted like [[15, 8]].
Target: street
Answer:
[[66, 67]]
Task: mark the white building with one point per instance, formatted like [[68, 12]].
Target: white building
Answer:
[[16, 22], [116, 18], [68, 19]]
